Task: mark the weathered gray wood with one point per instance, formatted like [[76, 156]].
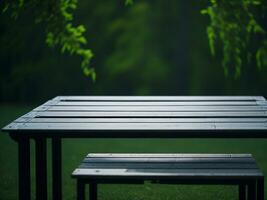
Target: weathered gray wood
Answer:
[[180, 114], [175, 173], [167, 166], [148, 114], [157, 103], [160, 98], [141, 126], [151, 108], [115, 160], [167, 155], [168, 161], [174, 166], [140, 120]]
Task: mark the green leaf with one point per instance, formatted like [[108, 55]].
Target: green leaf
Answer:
[[211, 37], [204, 12]]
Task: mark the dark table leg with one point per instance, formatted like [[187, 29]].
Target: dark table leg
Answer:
[[80, 190], [93, 191], [242, 191], [56, 169], [252, 190], [41, 169], [24, 168], [260, 189]]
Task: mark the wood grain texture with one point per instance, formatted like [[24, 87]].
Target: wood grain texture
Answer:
[[174, 166], [208, 116]]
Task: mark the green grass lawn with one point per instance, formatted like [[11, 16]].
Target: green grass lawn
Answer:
[[75, 149]]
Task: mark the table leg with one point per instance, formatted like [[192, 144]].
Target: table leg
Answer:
[[242, 191], [56, 169], [24, 168], [41, 169], [80, 190], [252, 190], [260, 189], [93, 191]]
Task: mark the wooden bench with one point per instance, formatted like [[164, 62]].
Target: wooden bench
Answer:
[[210, 169]]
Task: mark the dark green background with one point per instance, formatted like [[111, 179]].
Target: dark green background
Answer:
[[150, 48]]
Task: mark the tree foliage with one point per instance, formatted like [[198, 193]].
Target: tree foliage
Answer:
[[238, 29], [60, 31], [57, 16]]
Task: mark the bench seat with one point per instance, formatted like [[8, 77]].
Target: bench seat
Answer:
[[223, 169]]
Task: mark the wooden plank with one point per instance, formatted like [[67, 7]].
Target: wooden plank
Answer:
[[101, 158], [51, 102], [207, 114], [174, 166], [261, 102], [158, 103], [151, 108], [114, 160], [139, 120], [143, 126], [160, 98], [181, 173], [110, 126], [121, 162], [167, 166], [167, 155], [230, 126]]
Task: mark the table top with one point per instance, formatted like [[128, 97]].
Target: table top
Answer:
[[146, 116]]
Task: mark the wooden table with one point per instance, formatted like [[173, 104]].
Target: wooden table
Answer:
[[127, 117]]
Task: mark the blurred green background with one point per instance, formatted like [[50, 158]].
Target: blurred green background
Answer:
[[149, 48], [153, 47]]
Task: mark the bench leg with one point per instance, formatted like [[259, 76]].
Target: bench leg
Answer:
[[80, 190], [93, 191], [252, 190], [242, 191], [260, 189]]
